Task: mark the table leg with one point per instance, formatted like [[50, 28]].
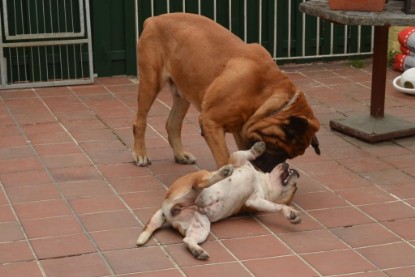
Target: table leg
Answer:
[[380, 61], [376, 126]]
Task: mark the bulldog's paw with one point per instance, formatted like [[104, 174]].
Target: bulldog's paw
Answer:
[[226, 171], [258, 148], [200, 254], [185, 158], [292, 215], [141, 160]]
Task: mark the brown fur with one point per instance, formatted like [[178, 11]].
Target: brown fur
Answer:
[[237, 88]]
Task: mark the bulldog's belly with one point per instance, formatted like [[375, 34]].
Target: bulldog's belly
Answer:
[[228, 196]]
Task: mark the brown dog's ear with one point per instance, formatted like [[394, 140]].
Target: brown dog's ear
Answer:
[[315, 144], [273, 103]]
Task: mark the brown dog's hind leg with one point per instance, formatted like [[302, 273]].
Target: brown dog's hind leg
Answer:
[[154, 223], [174, 127], [147, 92]]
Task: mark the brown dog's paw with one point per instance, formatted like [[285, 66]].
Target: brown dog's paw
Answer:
[[258, 148], [141, 160], [185, 158]]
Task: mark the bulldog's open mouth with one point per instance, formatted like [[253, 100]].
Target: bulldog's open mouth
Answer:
[[287, 175]]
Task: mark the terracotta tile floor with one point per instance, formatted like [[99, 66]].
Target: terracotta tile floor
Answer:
[[72, 202]]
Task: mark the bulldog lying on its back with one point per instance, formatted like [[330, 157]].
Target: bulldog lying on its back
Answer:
[[199, 198]]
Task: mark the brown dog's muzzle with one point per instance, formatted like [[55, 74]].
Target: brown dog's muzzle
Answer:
[[270, 159]]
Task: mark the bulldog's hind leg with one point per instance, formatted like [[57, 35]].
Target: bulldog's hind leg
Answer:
[[197, 233], [174, 127], [240, 157], [154, 223]]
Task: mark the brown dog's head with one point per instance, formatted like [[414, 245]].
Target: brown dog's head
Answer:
[[286, 124]]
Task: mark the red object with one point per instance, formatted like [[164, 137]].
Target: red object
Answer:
[[357, 5], [406, 38], [403, 62]]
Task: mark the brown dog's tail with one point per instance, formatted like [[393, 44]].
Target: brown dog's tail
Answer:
[[315, 144]]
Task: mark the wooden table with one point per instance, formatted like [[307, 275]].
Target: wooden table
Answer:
[[376, 126]]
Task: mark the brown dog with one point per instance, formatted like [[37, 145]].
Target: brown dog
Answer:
[[237, 88], [199, 198]]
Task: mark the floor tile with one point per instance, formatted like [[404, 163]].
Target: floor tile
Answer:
[[69, 174], [389, 211], [136, 184], [183, 257], [390, 255], [319, 200], [79, 189], [12, 153], [108, 220], [63, 246], [227, 269], [33, 193], [279, 224], [51, 227], [144, 199], [402, 191], [11, 231], [6, 213], [238, 227], [20, 269], [15, 251], [103, 203], [123, 170], [84, 265], [404, 228], [18, 165], [111, 239], [71, 160], [338, 262], [161, 273], [280, 266], [256, 247], [340, 217], [42, 209], [312, 241], [25, 178], [363, 235], [368, 195], [387, 176], [146, 259], [401, 272]]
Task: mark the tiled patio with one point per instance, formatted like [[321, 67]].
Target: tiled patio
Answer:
[[72, 202]]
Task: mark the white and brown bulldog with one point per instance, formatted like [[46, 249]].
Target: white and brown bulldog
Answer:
[[236, 87], [199, 198]]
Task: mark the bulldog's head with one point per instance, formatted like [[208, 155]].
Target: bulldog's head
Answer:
[[284, 179], [287, 125]]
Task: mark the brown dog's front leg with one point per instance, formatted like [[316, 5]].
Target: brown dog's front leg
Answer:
[[214, 135]]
